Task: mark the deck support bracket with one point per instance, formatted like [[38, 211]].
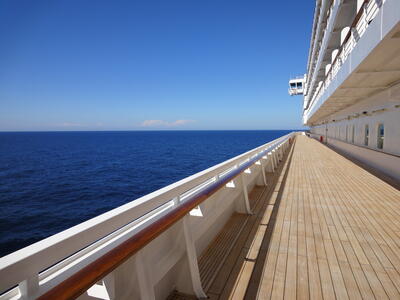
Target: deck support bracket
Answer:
[[273, 159], [276, 157], [245, 194], [146, 288], [263, 171], [29, 287], [192, 260], [109, 284]]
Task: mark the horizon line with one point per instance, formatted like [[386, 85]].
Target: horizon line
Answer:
[[147, 130]]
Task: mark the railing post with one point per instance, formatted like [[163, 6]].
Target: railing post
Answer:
[[29, 287], [109, 283], [263, 171], [355, 37], [192, 260], [271, 160], [146, 288], [245, 194], [176, 200], [274, 154]]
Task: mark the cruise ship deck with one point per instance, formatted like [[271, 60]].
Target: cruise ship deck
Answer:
[[326, 229]]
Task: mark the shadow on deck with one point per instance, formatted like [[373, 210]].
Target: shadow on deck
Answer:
[[323, 227]]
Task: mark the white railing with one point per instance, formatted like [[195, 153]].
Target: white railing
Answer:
[[318, 42], [368, 12], [331, 16], [38, 268]]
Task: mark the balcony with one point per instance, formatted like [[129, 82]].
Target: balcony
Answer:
[[365, 63]]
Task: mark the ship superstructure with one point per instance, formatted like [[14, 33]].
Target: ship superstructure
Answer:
[[352, 87]]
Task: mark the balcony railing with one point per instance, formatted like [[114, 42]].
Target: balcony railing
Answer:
[[365, 15], [317, 43], [75, 261]]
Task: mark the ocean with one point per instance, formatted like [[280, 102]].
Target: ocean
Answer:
[[50, 181]]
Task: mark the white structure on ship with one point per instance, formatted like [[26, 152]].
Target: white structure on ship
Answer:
[[352, 87]]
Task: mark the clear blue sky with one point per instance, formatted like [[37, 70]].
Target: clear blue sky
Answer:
[[132, 65]]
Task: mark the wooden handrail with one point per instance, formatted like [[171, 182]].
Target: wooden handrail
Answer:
[[348, 35], [78, 283]]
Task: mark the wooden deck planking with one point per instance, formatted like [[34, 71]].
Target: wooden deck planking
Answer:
[[323, 228], [347, 223]]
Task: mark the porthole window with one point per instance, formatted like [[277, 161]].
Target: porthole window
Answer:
[[366, 135], [381, 136]]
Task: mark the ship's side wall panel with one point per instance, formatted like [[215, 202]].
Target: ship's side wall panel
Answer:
[[355, 131], [385, 163]]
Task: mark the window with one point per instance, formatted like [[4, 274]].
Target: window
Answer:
[[381, 136], [352, 134], [347, 133], [293, 85], [366, 135]]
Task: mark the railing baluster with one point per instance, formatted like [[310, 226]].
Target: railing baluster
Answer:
[[263, 171], [29, 287], [271, 161], [245, 194], [192, 259], [176, 200], [146, 288], [274, 159], [109, 283]]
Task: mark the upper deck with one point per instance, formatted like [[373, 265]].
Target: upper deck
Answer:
[[353, 55]]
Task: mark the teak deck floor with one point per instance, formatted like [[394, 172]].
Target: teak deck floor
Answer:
[[327, 229]]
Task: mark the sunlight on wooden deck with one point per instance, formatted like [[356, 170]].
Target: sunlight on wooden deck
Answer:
[[335, 233]]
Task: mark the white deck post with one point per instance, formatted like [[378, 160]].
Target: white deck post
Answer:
[[177, 199], [29, 287], [109, 283], [272, 162], [263, 171], [245, 194], [192, 260], [146, 288], [274, 153]]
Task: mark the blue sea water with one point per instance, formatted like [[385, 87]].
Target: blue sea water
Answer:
[[50, 181]]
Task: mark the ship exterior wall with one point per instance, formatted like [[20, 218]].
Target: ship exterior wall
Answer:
[[357, 131]]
